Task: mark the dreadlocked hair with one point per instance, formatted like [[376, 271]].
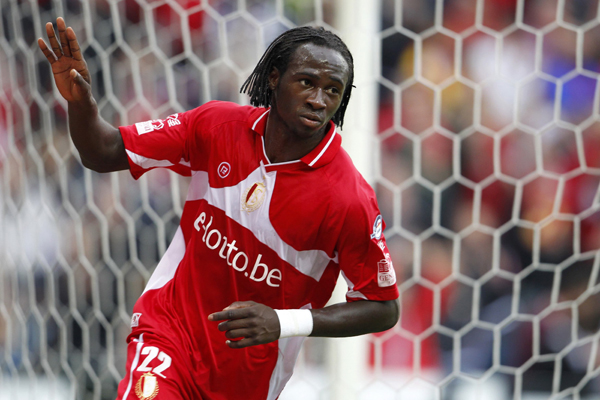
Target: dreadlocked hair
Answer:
[[278, 56]]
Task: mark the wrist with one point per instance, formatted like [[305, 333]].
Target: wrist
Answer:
[[294, 323], [86, 103]]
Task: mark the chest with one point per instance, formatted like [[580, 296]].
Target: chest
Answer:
[[292, 202], [277, 207]]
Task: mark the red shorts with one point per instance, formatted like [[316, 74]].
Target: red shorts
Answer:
[[154, 371]]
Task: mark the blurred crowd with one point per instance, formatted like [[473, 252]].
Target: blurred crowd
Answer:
[[511, 157], [489, 172]]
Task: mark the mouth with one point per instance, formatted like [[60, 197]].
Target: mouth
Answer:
[[311, 120]]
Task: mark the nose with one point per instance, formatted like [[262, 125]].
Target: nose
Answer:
[[316, 99]]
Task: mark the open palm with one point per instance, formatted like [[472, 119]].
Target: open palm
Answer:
[[66, 58]]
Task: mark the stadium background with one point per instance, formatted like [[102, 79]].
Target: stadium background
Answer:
[[476, 121]]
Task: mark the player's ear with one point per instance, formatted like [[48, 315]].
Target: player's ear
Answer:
[[274, 78]]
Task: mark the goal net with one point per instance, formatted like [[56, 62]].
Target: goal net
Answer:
[[476, 121]]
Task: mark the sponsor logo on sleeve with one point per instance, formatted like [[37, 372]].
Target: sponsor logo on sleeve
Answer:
[[147, 387], [144, 127], [135, 319], [377, 228], [157, 124], [173, 120], [149, 126], [386, 276]]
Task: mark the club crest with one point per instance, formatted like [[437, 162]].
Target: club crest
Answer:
[[254, 197], [146, 387]]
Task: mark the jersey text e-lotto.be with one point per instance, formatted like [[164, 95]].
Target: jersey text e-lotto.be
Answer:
[[275, 233]]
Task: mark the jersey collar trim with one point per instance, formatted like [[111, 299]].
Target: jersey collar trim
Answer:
[[260, 128], [321, 155]]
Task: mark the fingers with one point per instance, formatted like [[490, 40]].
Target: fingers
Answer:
[[68, 46], [53, 40], [235, 310], [239, 333], [62, 34], [239, 304], [235, 324], [49, 54], [240, 344], [73, 44], [254, 323], [228, 314]]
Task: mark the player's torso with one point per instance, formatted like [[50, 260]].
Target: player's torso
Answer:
[[252, 231], [257, 231]]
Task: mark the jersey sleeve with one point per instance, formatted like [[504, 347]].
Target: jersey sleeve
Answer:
[[365, 261], [163, 143]]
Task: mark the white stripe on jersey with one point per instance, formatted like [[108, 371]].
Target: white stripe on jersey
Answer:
[[168, 264], [198, 186], [146, 162], [289, 348], [138, 348], [351, 292], [229, 199]]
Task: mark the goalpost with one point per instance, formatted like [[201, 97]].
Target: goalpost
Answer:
[[476, 121]]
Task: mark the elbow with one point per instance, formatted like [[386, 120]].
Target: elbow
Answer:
[[392, 314], [87, 164], [104, 165], [90, 165]]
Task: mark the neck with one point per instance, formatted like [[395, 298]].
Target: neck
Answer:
[[281, 144]]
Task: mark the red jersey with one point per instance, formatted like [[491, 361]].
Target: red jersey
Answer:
[[275, 233]]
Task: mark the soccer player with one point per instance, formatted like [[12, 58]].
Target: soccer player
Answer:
[[274, 213]]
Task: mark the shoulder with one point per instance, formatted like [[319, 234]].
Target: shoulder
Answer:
[[355, 199], [215, 113], [348, 185], [226, 107]]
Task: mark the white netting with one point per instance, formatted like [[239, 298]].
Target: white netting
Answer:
[[487, 170]]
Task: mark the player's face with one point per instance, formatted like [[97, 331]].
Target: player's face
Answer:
[[309, 92]]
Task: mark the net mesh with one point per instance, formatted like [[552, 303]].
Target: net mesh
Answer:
[[487, 171]]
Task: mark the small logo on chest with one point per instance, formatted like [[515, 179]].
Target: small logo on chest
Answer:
[[253, 198], [224, 169]]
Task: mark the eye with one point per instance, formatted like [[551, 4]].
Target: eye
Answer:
[[304, 82], [333, 90]]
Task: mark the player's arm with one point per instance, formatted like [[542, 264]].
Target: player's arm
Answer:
[[100, 145], [255, 323], [356, 318]]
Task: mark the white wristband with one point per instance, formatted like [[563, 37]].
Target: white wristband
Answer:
[[295, 323]]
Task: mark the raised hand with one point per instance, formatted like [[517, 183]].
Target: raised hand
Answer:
[[70, 70], [253, 322]]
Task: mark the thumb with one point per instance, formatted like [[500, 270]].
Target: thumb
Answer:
[[78, 79], [80, 88]]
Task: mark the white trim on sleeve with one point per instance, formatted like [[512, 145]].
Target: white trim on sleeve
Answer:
[[146, 162]]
